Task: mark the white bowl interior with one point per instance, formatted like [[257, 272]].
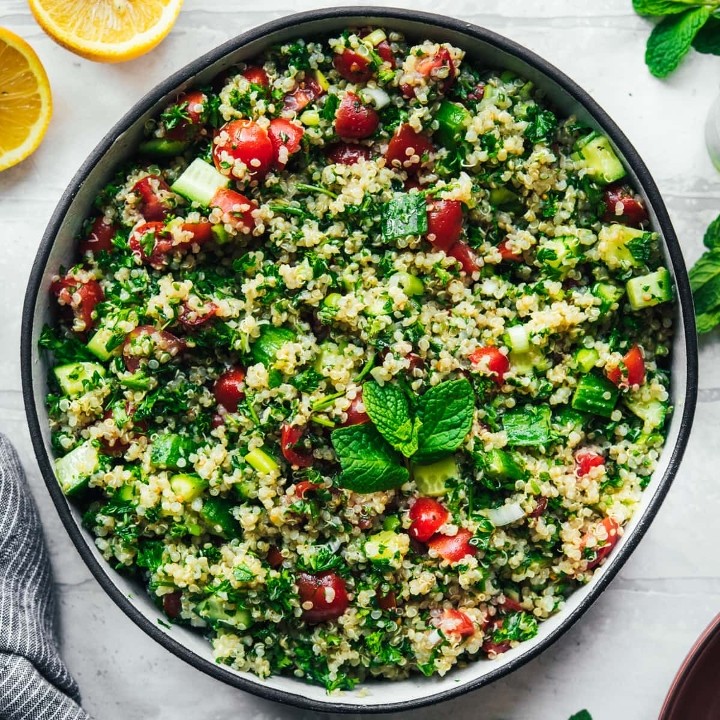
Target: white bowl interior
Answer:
[[373, 693]]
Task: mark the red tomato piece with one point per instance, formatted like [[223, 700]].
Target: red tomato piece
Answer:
[[290, 436], [80, 296], [438, 67], [191, 317], [490, 360], [510, 605], [491, 647], [346, 154], [507, 254], [217, 420], [386, 602], [427, 516], [285, 137], [150, 243], [192, 106], [229, 388], [172, 604], [112, 446], [246, 141], [623, 205], [307, 91], [407, 148], [145, 342], [445, 223], [201, 231], [304, 487], [237, 209], [384, 50], [154, 205], [602, 548], [585, 460], [256, 75], [355, 120], [274, 557], [477, 93], [540, 507], [416, 362], [452, 548], [356, 414], [99, 238], [454, 622], [353, 66], [631, 371], [462, 252], [327, 594]]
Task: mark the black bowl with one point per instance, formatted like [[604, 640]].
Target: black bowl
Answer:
[[56, 249]]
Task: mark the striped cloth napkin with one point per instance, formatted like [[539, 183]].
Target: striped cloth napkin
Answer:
[[34, 682]]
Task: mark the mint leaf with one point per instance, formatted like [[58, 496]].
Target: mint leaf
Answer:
[[582, 715], [670, 40], [388, 408], [446, 412], [705, 322], [705, 269], [368, 463], [712, 234], [707, 297], [708, 38], [663, 7]]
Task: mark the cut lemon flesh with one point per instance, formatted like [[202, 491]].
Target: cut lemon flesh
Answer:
[[25, 99], [107, 30]]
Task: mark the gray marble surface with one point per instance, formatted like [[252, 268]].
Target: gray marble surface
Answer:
[[618, 661]]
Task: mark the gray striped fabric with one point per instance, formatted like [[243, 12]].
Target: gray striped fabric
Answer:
[[34, 682]]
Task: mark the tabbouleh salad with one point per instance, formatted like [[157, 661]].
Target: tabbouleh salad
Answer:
[[363, 365]]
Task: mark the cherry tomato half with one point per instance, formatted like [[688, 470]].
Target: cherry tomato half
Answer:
[[356, 414], [353, 66], [246, 141], [256, 75], [454, 622], [150, 243], [452, 548], [154, 206], [229, 388], [462, 252], [307, 91], [285, 137], [237, 209], [80, 296], [145, 342], [407, 148], [99, 238], [326, 592], [346, 154], [602, 548], [586, 459], [491, 361], [192, 106], [445, 223], [623, 205], [290, 436], [427, 516], [354, 120], [507, 254]]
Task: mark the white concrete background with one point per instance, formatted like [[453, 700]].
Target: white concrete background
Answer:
[[618, 661]]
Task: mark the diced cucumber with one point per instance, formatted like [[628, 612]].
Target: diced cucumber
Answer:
[[187, 487], [199, 182], [220, 234], [586, 358], [387, 547], [530, 361], [518, 339], [137, 381], [608, 293], [75, 469], [566, 420], [651, 412], [215, 612], [404, 215], [77, 378], [329, 308], [126, 493], [392, 522], [375, 37], [259, 460], [378, 305], [501, 465], [431, 480], [595, 394], [453, 120], [621, 247], [648, 290], [266, 347], [329, 356], [101, 343], [245, 489], [217, 513], [505, 199], [163, 147], [559, 255], [602, 164], [171, 451], [411, 285], [528, 426]]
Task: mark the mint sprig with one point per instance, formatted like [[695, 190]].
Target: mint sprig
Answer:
[[685, 23], [705, 281], [373, 456]]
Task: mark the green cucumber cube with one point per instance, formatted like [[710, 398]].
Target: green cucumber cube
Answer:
[[598, 156], [648, 290], [75, 469], [199, 182], [77, 378]]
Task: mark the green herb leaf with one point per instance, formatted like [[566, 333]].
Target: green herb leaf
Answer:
[[707, 297], [368, 463], [582, 715], [405, 214], [670, 40], [388, 408], [541, 124], [705, 269], [243, 573], [662, 7], [712, 234], [446, 413], [705, 322], [708, 38]]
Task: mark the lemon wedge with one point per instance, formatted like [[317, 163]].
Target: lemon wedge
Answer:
[[25, 99], [107, 30]]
